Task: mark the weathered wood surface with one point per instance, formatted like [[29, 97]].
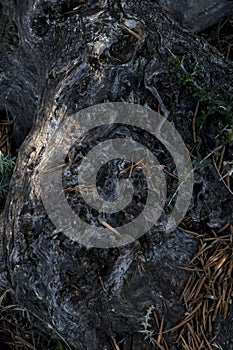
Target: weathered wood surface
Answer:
[[52, 68], [198, 15]]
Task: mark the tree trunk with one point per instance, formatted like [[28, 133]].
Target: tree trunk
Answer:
[[59, 58], [198, 15]]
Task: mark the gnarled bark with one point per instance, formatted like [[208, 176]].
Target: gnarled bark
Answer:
[[68, 56], [198, 15]]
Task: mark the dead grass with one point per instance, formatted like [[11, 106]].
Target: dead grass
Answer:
[[18, 333]]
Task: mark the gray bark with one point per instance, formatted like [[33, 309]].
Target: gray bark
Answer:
[[53, 69], [198, 15]]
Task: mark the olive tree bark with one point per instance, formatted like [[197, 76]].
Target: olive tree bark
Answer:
[[197, 15], [58, 58]]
